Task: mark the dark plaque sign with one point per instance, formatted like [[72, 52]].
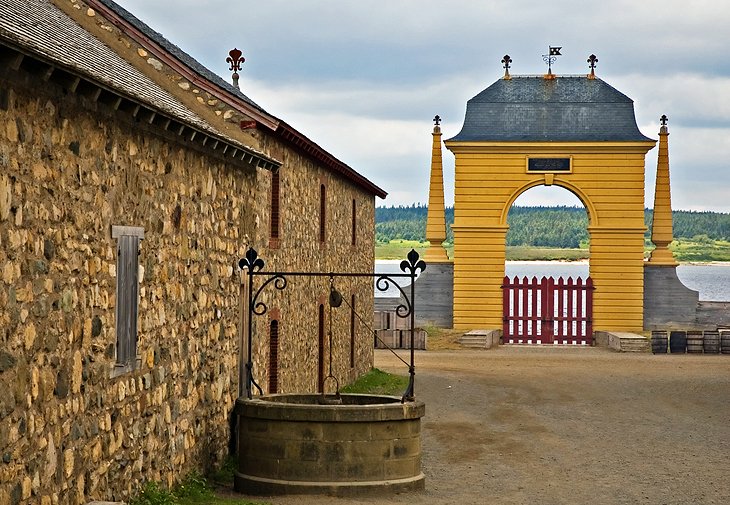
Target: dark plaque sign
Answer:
[[548, 164]]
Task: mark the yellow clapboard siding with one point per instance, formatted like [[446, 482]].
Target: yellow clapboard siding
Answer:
[[607, 177]]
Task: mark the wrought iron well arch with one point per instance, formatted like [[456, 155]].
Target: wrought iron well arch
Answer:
[[411, 267]]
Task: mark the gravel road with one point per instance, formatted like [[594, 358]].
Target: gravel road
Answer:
[[544, 425]]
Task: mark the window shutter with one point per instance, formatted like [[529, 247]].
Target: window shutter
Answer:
[[128, 239], [322, 212], [354, 222], [275, 185], [352, 331], [273, 356], [128, 286]]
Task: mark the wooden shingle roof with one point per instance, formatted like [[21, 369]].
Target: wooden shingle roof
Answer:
[[39, 29]]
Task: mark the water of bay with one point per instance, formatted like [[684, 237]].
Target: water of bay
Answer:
[[712, 280]]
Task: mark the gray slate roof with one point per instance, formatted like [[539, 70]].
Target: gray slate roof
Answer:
[[39, 27], [564, 109]]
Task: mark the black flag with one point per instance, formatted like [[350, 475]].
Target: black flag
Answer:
[[555, 51]]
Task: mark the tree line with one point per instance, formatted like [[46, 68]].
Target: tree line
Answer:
[[560, 227]]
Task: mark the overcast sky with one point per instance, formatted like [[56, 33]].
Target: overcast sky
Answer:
[[364, 79]]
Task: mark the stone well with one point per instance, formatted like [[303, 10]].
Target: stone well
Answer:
[[297, 444]]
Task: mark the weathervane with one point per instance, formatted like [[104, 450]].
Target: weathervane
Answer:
[[550, 58], [235, 58], [506, 60], [592, 60]]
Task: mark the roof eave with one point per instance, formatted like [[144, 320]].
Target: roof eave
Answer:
[[229, 148], [312, 150]]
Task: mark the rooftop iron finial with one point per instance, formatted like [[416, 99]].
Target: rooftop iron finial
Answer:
[[437, 120], [592, 60], [553, 53], [663, 120], [235, 58], [506, 60]]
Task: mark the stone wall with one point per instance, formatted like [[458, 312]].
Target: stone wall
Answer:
[[299, 250], [71, 429]]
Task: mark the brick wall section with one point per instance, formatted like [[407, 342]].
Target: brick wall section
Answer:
[[69, 170]]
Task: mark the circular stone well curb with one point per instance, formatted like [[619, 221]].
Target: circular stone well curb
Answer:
[[292, 444]]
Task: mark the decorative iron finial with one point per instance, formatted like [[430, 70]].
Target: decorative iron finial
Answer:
[[663, 120], [592, 60], [413, 264], [251, 261], [437, 120], [550, 58], [506, 60], [235, 58]]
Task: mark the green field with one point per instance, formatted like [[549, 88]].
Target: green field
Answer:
[[685, 251], [701, 251]]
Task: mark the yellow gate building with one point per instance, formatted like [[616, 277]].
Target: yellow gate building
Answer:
[[576, 132]]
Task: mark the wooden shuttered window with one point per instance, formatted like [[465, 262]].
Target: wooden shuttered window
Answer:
[[128, 239], [273, 356], [352, 331], [275, 202], [354, 222], [322, 212], [320, 351]]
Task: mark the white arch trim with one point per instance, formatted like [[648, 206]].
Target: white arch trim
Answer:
[[590, 209]]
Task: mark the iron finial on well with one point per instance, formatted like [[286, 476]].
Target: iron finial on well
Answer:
[[235, 58]]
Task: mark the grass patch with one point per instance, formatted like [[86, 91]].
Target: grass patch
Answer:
[[223, 476], [440, 339], [195, 489], [398, 249], [377, 382], [701, 251]]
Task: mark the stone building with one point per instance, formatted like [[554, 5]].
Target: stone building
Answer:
[[132, 179]]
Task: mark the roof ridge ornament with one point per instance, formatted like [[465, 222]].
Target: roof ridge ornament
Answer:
[[550, 58], [592, 60], [235, 58], [663, 120], [506, 60]]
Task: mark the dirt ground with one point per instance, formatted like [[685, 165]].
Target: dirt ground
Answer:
[[544, 425]]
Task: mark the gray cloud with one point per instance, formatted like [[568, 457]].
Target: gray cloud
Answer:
[[341, 70]]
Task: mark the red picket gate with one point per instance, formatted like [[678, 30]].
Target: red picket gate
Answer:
[[547, 311]]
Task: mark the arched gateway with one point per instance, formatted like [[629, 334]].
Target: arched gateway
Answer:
[[576, 132]]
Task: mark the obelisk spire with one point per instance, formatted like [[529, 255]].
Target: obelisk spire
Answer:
[[436, 221], [661, 228]]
